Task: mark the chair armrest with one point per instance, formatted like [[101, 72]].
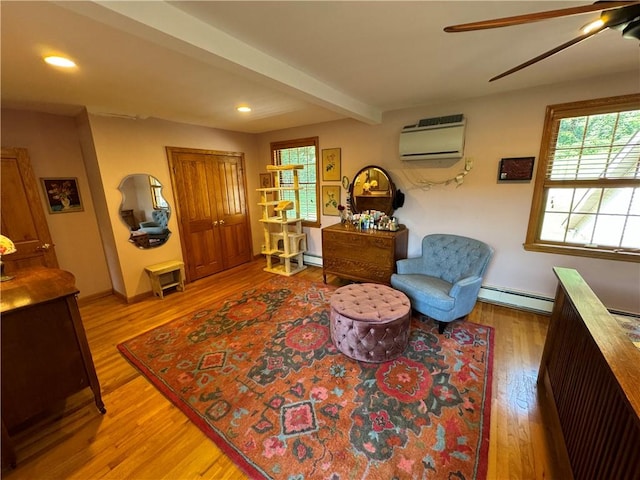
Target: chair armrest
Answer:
[[466, 286], [148, 224], [409, 265]]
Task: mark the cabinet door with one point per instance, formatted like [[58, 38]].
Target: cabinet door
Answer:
[[41, 360]]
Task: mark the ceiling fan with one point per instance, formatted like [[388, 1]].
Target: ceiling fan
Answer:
[[624, 16]]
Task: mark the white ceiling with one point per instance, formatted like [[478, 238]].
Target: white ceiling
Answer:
[[294, 63]]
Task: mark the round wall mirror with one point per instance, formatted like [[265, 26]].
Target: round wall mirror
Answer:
[[372, 189], [144, 211]]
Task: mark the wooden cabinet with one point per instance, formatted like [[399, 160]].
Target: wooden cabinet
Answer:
[[45, 353], [362, 255], [129, 218]]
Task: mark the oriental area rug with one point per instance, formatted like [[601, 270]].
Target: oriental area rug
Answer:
[[259, 375]]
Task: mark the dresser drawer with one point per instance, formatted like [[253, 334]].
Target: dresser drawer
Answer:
[[367, 249], [357, 270], [362, 255]]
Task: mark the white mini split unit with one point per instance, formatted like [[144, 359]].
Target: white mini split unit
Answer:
[[433, 139]]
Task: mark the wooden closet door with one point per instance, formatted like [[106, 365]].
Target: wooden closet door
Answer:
[[211, 207], [231, 201]]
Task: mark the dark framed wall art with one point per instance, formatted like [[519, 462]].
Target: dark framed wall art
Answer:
[[62, 194], [516, 169], [265, 180]]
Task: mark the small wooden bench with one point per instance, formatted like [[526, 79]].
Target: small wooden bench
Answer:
[[166, 275]]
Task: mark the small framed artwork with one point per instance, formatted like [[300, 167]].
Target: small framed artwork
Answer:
[[330, 200], [516, 169], [265, 180], [63, 194], [331, 165]]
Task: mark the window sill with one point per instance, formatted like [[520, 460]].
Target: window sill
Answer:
[[623, 256]]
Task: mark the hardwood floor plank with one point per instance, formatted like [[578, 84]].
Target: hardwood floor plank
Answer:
[[143, 436]]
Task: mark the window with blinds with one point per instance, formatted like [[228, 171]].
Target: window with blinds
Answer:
[[158, 201], [587, 192], [300, 152]]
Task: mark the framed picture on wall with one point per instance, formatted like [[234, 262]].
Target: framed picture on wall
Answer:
[[265, 180], [516, 169], [330, 200], [62, 194], [331, 165]]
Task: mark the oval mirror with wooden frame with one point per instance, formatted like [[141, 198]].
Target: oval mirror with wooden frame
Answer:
[[372, 189]]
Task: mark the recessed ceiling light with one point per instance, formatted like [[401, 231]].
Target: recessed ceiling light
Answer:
[[592, 26], [60, 62], [244, 109]]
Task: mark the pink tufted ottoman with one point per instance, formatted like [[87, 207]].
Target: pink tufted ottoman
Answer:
[[370, 322]]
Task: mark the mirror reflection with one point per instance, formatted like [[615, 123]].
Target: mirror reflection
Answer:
[[372, 189], [144, 211]]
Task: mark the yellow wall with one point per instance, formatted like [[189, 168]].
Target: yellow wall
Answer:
[[124, 147], [54, 149]]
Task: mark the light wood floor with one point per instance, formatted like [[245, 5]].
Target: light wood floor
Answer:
[[143, 436]]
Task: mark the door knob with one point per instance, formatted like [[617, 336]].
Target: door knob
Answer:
[[45, 247], [221, 222], [215, 224]]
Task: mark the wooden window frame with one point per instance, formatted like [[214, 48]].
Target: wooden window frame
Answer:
[[555, 113], [156, 193], [303, 142]]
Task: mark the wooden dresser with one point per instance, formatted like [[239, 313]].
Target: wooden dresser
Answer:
[[45, 353], [362, 255]]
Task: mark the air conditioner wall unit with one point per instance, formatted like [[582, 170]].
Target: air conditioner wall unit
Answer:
[[433, 139]]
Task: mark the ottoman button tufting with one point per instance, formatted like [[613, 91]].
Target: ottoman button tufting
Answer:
[[370, 322]]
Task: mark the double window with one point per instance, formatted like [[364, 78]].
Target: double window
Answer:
[[303, 152], [587, 194]]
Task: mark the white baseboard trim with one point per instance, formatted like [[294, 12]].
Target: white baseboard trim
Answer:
[[312, 260], [512, 298], [498, 295]]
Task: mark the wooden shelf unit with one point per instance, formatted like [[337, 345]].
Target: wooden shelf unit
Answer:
[[284, 239]]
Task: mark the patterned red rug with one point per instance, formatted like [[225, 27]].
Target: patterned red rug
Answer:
[[260, 376]]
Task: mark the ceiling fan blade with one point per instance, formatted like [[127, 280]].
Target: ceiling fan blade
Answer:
[[553, 51], [535, 17]]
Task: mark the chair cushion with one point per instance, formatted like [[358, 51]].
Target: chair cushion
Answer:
[[425, 290]]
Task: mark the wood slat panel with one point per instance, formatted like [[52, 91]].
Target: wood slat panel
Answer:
[[582, 360]]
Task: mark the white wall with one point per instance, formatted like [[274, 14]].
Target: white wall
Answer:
[[508, 125]]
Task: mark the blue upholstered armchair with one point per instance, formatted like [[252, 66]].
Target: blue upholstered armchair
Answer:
[[158, 227], [444, 282]]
